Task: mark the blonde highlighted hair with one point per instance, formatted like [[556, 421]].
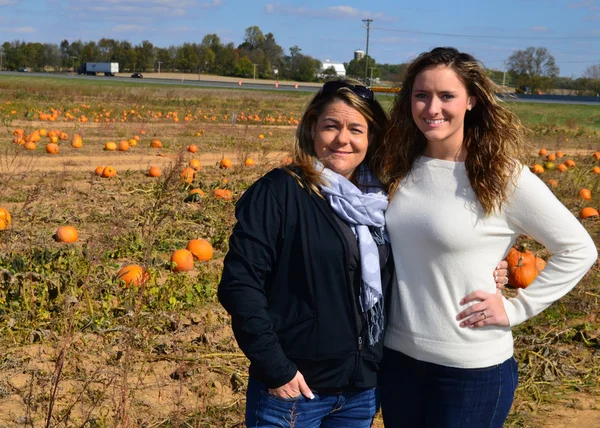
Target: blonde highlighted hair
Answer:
[[493, 135]]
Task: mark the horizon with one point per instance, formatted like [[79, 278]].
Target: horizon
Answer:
[[570, 30]]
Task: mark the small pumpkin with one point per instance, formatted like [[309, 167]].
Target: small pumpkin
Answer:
[[200, 249], [523, 267], [30, 145], [543, 152], [77, 141], [225, 163], [560, 154], [596, 170], [194, 163], [109, 172], [133, 275], [192, 148], [249, 162], [188, 175], [224, 194], [552, 183], [110, 146], [585, 194], [596, 155], [98, 170], [535, 168], [123, 146], [52, 148], [154, 171], [588, 212], [570, 163], [67, 234], [156, 144], [182, 260], [562, 167], [551, 157], [5, 218], [195, 195]]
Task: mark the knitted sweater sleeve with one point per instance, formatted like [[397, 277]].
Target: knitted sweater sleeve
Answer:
[[533, 210]]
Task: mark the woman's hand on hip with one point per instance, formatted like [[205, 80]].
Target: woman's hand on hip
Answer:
[[501, 274], [293, 388], [489, 310]]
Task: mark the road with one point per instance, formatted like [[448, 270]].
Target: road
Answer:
[[196, 80]]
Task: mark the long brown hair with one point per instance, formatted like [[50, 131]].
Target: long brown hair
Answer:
[[493, 135], [304, 155]]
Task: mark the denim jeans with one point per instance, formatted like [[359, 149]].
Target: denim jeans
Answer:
[[419, 394], [353, 409]]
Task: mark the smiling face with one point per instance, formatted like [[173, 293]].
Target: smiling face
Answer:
[[439, 102], [341, 138]]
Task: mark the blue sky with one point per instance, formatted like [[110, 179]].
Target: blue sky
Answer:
[[325, 29]]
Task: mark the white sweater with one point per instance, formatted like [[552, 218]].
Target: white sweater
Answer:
[[444, 247]]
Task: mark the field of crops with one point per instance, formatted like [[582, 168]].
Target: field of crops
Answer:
[[80, 347]]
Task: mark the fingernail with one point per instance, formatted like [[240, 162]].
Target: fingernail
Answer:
[[312, 397], [462, 302]]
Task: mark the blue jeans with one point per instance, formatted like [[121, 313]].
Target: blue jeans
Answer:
[[353, 409], [419, 394]]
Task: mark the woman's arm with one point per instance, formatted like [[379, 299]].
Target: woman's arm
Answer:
[[249, 261]]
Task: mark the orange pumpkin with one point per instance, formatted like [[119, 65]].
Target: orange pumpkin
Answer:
[[63, 136], [224, 194], [133, 275], [562, 167], [585, 194], [596, 155], [110, 145], [561, 154], [188, 175], [192, 148], [67, 234], [570, 163], [99, 170], [225, 163], [30, 145], [123, 145], [543, 152], [194, 163], [588, 212], [156, 144], [551, 157], [552, 183], [5, 218], [182, 260], [522, 267], [596, 170], [535, 168], [201, 249], [154, 171], [77, 141], [249, 162], [109, 172], [52, 148]]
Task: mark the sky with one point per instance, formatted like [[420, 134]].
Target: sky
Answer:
[[327, 30]]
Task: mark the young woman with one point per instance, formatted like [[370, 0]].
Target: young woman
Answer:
[[460, 197]]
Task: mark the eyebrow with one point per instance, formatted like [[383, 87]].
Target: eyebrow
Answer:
[[331, 119]]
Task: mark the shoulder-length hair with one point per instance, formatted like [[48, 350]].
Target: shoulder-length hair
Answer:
[[493, 135], [355, 95]]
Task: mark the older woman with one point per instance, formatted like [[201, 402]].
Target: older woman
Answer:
[[308, 267]]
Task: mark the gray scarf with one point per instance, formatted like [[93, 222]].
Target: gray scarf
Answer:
[[364, 212]]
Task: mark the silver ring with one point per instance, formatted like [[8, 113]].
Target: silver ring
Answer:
[[505, 280], [484, 314]]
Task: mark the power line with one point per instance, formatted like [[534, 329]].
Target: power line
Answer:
[[479, 36]]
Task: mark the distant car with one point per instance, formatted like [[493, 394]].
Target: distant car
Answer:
[[137, 75], [24, 69]]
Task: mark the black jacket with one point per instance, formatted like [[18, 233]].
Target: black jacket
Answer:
[[286, 285]]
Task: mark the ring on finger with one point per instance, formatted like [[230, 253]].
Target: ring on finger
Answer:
[[484, 314], [505, 280]]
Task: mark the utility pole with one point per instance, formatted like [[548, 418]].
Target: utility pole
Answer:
[[159, 63], [371, 79], [254, 71], [368, 22], [504, 74]]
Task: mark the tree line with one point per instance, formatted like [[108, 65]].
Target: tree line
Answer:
[[259, 55]]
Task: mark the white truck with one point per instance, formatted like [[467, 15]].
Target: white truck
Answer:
[[92, 68]]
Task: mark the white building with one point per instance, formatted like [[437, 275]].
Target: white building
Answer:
[[338, 67]]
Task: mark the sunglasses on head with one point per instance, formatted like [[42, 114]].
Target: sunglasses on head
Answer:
[[359, 90]]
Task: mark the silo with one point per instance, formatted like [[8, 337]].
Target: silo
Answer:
[[359, 54]]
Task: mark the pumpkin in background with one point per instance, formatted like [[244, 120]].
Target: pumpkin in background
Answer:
[[154, 171], [110, 146], [67, 234], [570, 163], [109, 172], [195, 195], [224, 194], [535, 168], [596, 170], [52, 148], [225, 163], [123, 146], [156, 144], [585, 194], [249, 162], [133, 275], [182, 260], [77, 141], [596, 155], [63, 136], [192, 148], [98, 170], [588, 212], [562, 167], [552, 183], [200, 249], [194, 163], [29, 145], [5, 218], [523, 267], [543, 152], [188, 175]]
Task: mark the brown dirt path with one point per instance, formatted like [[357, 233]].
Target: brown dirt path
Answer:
[[125, 161]]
